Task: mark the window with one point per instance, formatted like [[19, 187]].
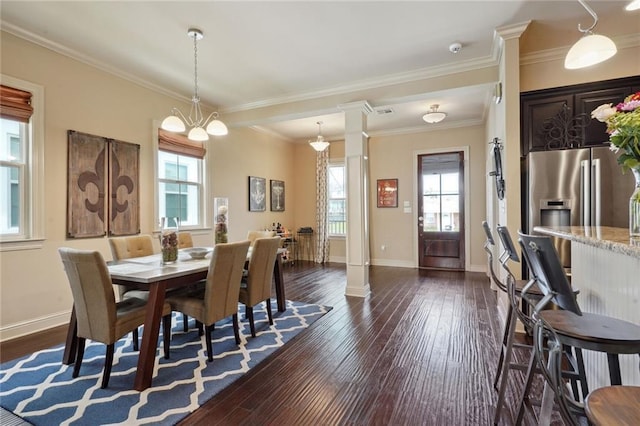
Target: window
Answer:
[[441, 202], [336, 208], [180, 180], [21, 162], [180, 188]]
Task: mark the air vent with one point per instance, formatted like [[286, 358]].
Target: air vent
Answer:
[[384, 111]]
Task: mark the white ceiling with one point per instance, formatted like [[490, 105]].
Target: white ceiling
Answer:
[[265, 52]]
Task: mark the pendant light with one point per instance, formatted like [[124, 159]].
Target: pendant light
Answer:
[[434, 116], [592, 48], [319, 144], [176, 121]]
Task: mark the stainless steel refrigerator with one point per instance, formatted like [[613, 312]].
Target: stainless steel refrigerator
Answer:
[[577, 187]]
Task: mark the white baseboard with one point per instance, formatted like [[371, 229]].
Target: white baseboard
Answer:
[[12, 331], [477, 268], [396, 263]]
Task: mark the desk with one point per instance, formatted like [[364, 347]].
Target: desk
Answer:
[[147, 273]]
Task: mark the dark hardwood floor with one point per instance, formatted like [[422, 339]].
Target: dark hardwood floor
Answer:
[[420, 350]]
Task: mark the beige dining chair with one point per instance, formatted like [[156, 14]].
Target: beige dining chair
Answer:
[[256, 285], [253, 235], [219, 299], [99, 317], [126, 248], [184, 240]]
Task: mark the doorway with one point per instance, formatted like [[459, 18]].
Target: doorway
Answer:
[[441, 207]]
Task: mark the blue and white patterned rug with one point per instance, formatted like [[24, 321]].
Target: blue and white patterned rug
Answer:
[[39, 388]]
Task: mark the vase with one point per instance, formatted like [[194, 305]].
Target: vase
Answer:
[[634, 210], [169, 240]]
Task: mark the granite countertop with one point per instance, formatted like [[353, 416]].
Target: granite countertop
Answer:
[[605, 237]]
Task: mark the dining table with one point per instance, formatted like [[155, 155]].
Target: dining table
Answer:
[[149, 273]]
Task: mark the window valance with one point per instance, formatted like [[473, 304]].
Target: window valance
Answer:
[[179, 144], [15, 104]]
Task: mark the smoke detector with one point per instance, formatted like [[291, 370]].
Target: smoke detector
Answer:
[[455, 47]]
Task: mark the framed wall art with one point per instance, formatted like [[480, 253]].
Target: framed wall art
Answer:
[[277, 195], [257, 194], [387, 192], [102, 186]]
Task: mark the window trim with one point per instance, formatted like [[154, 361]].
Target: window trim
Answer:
[[205, 199], [34, 232]]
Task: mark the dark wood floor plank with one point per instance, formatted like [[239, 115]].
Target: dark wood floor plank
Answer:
[[421, 349]]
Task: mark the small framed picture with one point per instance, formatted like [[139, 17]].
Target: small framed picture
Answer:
[[277, 195], [257, 194], [387, 192]]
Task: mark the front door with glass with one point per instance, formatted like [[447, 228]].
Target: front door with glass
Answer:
[[441, 211]]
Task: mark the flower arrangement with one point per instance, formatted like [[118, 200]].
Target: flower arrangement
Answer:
[[623, 126]]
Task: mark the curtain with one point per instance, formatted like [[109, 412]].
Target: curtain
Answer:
[[15, 104], [322, 238]]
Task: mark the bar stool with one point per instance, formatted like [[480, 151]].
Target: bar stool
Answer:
[[508, 331], [613, 405], [568, 326], [522, 296]]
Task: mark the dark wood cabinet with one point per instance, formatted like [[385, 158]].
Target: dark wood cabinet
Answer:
[[595, 132], [560, 118]]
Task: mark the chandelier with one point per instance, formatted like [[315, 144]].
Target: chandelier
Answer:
[[592, 48], [176, 121], [319, 144], [434, 116]]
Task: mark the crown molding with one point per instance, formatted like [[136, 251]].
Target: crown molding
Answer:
[[558, 53], [373, 83], [74, 54], [426, 128]]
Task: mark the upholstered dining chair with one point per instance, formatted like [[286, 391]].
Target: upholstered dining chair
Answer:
[[253, 235], [126, 248], [99, 317], [256, 285], [219, 299], [184, 240]]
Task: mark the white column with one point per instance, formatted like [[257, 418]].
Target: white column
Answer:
[[357, 192]]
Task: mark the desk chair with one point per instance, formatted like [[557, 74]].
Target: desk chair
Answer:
[[98, 315], [568, 326], [219, 299], [256, 286]]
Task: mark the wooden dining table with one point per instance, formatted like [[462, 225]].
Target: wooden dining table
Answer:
[[148, 273]]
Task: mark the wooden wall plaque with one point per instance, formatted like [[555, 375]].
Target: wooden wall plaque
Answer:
[[102, 186]]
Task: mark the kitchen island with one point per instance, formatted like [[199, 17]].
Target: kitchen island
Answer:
[[605, 267]]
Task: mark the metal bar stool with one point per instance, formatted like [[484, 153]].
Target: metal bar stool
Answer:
[[522, 296], [568, 326]]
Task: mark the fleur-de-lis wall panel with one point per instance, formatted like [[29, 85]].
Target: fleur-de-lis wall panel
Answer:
[[103, 186]]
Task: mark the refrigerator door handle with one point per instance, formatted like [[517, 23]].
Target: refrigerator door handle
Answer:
[[585, 191], [596, 188]]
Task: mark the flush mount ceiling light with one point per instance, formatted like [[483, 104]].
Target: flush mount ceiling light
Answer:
[[592, 48], [176, 121], [434, 116], [319, 144]]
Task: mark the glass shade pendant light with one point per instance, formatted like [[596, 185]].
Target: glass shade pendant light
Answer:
[[319, 144], [592, 48], [434, 116], [176, 121]]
